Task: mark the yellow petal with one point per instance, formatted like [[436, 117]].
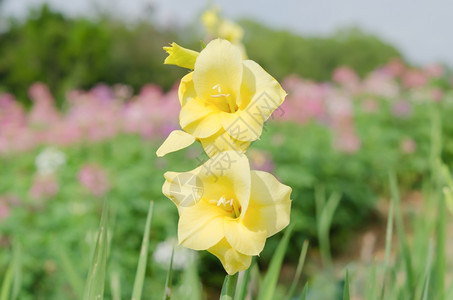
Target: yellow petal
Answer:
[[210, 20], [180, 56], [218, 70], [270, 204], [200, 226], [199, 118], [184, 189], [221, 142], [242, 125], [177, 140], [243, 239], [232, 260], [261, 94], [227, 174], [231, 31], [186, 91]]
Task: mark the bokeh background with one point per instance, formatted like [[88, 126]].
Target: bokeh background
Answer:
[[85, 101]]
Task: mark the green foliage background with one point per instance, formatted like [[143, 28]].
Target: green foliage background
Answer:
[[68, 53]]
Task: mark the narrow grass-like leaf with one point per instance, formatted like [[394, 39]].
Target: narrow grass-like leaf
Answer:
[[115, 285], [168, 281], [423, 286], [7, 283], [229, 287], [141, 268], [440, 264], [10, 287], [300, 266], [346, 287], [303, 296], [388, 244], [324, 221], [191, 287], [17, 270], [400, 232], [94, 287], [243, 282], [271, 277], [372, 287], [75, 281]]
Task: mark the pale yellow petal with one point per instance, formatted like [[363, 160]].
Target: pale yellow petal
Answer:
[[232, 260], [270, 204], [180, 56], [176, 140], [201, 225], [221, 142], [243, 239], [186, 91], [244, 125], [260, 94], [218, 70], [226, 174], [205, 126], [184, 189]]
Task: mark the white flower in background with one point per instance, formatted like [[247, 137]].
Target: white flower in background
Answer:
[[181, 258], [49, 160]]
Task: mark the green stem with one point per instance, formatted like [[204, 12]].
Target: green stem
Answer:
[[229, 287]]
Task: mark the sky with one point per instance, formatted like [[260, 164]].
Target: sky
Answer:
[[422, 30]]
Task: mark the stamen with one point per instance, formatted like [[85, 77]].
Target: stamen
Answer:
[[229, 205], [230, 101]]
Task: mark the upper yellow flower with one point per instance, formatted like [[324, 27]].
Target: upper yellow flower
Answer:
[[221, 28], [224, 101], [227, 209]]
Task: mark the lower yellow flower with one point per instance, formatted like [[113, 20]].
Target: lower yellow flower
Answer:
[[227, 209]]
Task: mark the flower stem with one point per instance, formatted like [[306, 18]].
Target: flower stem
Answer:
[[229, 287]]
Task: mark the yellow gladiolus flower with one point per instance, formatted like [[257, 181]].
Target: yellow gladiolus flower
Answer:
[[227, 209], [225, 100]]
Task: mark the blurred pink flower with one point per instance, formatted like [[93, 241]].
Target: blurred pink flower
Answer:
[[370, 105], [4, 210], [437, 94], [6, 203], [43, 112], [401, 109], [414, 78], [305, 101], [408, 145], [434, 70], [380, 83], [395, 67], [346, 141], [261, 160], [347, 77], [44, 186], [94, 179]]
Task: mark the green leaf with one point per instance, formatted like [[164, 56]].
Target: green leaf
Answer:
[[346, 287], [241, 291], [68, 267], [303, 296], [300, 266], [400, 232], [229, 287], [94, 287], [271, 277], [11, 283], [141, 268], [324, 215], [168, 281]]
